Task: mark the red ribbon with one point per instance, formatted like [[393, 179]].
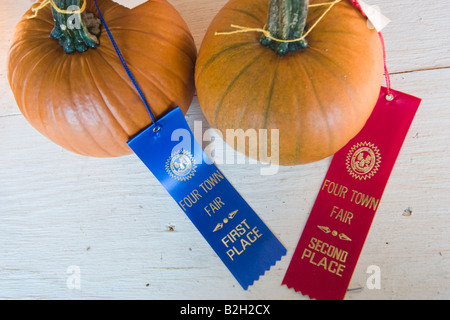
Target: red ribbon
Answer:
[[334, 235], [331, 242]]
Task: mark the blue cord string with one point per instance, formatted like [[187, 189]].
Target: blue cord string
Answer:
[[124, 64]]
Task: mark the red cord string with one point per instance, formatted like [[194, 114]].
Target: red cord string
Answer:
[[356, 4], [386, 72]]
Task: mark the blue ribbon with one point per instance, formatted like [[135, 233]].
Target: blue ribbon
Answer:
[[234, 231]]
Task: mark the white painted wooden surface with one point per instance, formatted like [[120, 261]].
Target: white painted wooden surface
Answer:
[[110, 219]]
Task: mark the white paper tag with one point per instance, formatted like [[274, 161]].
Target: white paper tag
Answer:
[[376, 19], [130, 3]]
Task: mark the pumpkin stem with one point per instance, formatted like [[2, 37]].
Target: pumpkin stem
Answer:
[[286, 21], [76, 31]]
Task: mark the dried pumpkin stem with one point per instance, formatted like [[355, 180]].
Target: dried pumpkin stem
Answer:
[[76, 30], [286, 21]]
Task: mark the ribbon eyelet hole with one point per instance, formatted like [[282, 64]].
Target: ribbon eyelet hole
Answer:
[[389, 97], [156, 129]]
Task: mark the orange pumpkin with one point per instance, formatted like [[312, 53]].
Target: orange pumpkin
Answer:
[[317, 92], [84, 101]]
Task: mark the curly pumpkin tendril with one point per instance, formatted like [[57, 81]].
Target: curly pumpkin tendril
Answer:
[[53, 4], [267, 33]]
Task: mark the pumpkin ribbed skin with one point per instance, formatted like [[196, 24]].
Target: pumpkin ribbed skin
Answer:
[[319, 98], [85, 102]]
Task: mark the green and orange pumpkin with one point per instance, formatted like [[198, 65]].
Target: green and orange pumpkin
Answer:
[[81, 97], [317, 92]]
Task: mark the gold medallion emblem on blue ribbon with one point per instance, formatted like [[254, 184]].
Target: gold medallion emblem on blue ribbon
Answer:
[[181, 165]]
